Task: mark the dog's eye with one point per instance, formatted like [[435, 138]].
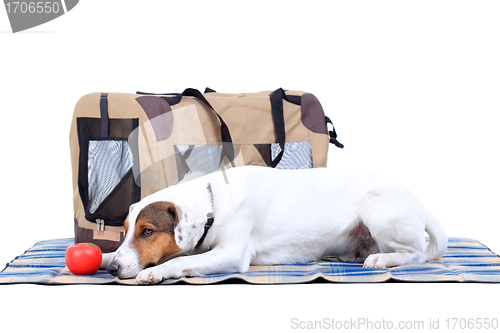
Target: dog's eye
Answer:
[[147, 232]]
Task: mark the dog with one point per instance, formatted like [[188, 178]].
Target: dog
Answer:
[[226, 221]]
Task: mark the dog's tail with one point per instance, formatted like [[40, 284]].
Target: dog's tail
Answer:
[[438, 238]]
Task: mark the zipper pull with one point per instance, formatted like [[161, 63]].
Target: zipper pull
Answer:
[[100, 226]]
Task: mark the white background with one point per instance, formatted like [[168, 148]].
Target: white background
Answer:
[[411, 86]]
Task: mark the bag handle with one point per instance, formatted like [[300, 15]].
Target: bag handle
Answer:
[[103, 108], [170, 98], [227, 141], [224, 130], [276, 98], [333, 134]]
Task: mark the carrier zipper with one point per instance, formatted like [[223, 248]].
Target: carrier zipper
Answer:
[[100, 226]]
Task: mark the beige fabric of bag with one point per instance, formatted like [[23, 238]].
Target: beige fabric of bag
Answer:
[[127, 146]]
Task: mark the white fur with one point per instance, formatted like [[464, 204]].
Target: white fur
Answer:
[[265, 216]]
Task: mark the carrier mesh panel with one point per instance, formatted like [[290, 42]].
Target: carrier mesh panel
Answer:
[[108, 162], [297, 155], [198, 158]]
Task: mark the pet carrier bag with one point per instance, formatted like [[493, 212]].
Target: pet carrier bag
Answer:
[[127, 146]]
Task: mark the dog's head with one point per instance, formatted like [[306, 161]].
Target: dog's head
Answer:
[[155, 232]]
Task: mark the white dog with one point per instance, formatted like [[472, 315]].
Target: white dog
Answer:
[[226, 221]]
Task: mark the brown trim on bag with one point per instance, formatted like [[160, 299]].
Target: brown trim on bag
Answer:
[[265, 151], [313, 116], [153, 107]]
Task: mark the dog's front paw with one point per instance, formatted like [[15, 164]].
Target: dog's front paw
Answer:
[[375, 261], [149, 276]]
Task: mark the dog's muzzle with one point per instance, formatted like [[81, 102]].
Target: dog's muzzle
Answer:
[[113, 267], [124, 264]]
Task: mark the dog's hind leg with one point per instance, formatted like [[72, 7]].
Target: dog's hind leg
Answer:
[[403, 255], [396, 220]]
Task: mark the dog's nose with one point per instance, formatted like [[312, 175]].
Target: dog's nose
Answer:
[[113, 267]]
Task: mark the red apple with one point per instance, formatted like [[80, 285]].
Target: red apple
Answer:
[[83, 258]]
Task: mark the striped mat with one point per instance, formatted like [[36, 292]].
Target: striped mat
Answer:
[[466, 260]]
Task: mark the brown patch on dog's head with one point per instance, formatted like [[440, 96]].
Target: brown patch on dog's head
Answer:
[[154, 233]]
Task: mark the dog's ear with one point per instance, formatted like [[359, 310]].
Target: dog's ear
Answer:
[[189, 225]]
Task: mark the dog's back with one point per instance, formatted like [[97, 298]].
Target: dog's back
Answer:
[[295, 215]]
